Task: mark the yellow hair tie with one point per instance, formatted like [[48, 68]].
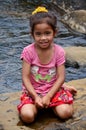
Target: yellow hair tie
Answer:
[[39, 9]]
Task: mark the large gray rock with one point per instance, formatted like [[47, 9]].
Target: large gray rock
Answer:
[[76, 20], [76, 55]]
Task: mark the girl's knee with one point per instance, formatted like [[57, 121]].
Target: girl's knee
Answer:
[[64, 111], [67, 113], [28, 115]]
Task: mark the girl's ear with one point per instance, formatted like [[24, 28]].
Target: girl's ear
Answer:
[[31, 34], [56, 31]]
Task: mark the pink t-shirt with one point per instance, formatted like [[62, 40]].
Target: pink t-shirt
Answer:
[[43, 76]]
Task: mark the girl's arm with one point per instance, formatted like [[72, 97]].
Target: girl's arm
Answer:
[[26, 79], [59, 82], [27, 83]]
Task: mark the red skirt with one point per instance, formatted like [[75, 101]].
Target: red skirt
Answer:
[[61, 97]]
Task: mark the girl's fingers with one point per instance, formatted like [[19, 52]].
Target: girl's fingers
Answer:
[[71, 89]]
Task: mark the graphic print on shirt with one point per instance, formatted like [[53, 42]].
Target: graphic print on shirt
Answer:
[[43, 74]]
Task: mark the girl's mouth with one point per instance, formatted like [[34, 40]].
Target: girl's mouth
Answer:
[[44, 43]]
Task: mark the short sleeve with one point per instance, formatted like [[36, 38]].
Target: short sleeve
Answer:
[[26, 55], [60, 56]]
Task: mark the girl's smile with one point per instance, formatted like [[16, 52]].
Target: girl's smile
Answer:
[[43, 35]]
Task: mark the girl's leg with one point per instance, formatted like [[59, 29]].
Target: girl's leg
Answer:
[[64, 111], [28, 113]]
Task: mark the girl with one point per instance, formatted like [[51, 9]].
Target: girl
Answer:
[[43, 71]]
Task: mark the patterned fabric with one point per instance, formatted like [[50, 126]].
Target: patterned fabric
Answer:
[[61, 97]]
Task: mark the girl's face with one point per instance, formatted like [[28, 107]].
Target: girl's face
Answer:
[[43, 35]]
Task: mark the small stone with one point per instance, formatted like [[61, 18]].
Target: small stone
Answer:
[[3, 98], [1, 127]]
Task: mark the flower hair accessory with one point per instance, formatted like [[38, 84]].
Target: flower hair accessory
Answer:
[[39, 9]]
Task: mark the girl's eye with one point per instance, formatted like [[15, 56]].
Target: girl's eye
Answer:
[[47, 33], [37, 33]]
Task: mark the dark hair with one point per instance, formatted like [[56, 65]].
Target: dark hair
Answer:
[[43, 17]]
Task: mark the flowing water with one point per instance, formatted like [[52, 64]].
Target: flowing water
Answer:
[[14, 36]]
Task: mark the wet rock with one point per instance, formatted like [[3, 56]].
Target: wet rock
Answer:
[[46, 120], [76, 20]]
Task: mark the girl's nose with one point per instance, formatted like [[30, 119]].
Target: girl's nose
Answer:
[[43, 37]]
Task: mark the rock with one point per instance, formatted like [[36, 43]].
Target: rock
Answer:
[[76, 55], [46, 120], [75, 20], [3, 98]]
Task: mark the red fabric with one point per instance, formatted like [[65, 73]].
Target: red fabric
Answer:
[[61, 97]]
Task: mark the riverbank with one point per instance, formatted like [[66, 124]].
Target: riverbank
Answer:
[[9, 119]]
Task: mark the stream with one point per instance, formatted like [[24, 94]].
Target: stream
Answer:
[[14, 36]]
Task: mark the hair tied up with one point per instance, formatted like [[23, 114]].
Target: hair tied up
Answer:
[[39, 9]]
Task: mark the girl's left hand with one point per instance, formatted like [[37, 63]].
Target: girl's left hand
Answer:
[[71, 89], [46, 101]]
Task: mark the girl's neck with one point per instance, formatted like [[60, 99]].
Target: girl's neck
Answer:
[[45, 55]]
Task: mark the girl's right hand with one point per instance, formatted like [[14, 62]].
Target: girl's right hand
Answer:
[[38, 102]]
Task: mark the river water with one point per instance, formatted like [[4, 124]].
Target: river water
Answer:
[[14, 36]]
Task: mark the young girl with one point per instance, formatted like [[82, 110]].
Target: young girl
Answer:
[[43, 71]]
